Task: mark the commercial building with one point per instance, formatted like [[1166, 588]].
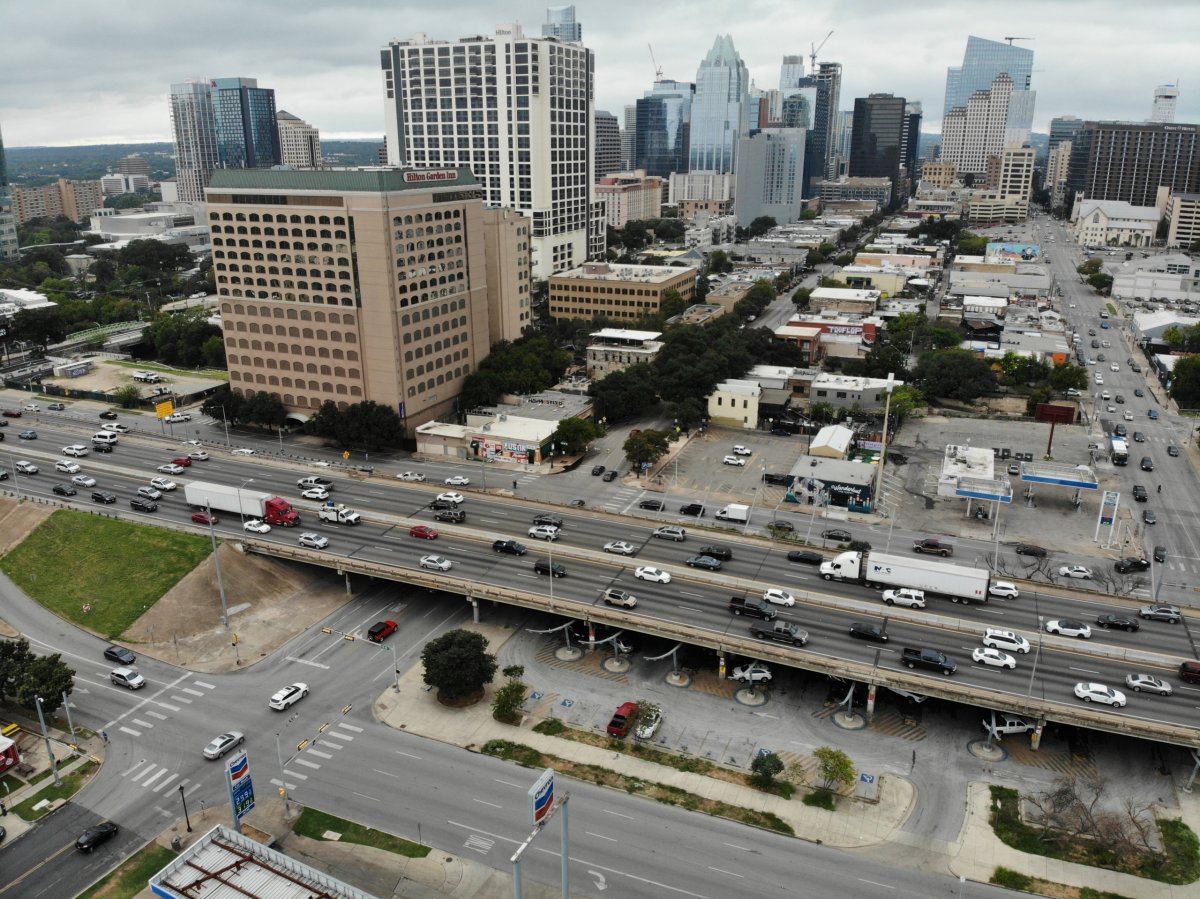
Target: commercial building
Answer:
[[1063, 128], [877, 139], [1058, 161], [940, 174], [833, 482], [351, 285], [299, 142], [506, 240], [133, 164], [516, 432], [630, 197], [843, 299], [770, 176], [722, 93], [978, 129], [734, 404], [629, 137], [715, 186], [1165, 98], [875, 190], [74, 199], [1111, 223], [1130, 161], [8, 218], [560, 23], [1183, 213], [615, 349], [518, 112], [119, 183], [1171, 277], [983, 61], [608, 144], [662, 135], [844, 392], [622, 292]]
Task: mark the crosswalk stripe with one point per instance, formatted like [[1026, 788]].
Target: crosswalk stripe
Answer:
[[166, 782], [131, 731], [206, 686], [306, 763]]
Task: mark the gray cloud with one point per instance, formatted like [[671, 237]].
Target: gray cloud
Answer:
[[78, 73]]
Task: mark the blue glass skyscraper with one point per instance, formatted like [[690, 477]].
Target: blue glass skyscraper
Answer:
[[982, 62], [662, 135], [722, 91], [247, 130]]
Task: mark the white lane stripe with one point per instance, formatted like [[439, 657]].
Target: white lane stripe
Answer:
[[130, 731], [169, 708], [306, 763], [190, 692], [295, 774], [166, 782], [134, 768], [140, 723], [158, 715], [319, 754], [150, 780], [182, 699], [357, 730], [206, 686], [337, 736]]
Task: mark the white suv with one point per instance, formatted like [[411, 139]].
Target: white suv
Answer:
[[75, 449], [544, 532], [905, 596], [1007, 640]]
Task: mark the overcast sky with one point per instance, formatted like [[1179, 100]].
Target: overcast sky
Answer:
[[85, 73]]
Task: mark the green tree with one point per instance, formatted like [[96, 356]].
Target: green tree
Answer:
[[834, 767], [624, 395], [367, 425], [127, 397], [263, 408], [807, 215], [880, 361], [458, 665], [844, 259], [719, 262], [48, 677], [126, 201], [634, 236], [506, 703], [15, 657], [212, 351], [954, 373], [813, 258], [672, 303], [1067, 376], [1174, 335], [179, 338], [905, 400], [1185, 382], [42, 326], [761, 226], [1090, 267], [646, 447], [801, 296], [971, 244], [1101, 282], [765, 768], [576, 433], [822, 412]]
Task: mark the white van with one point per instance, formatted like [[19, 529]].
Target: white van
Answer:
[[105, 437]]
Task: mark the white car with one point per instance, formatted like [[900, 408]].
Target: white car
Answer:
[[1075, 571], [905, 597], [544, 532], [256, 526], [198, 456], [620, 547], [734, 460], [1100, 693], [66, 465], [739, 450], [436, 563], [410, 476], [243, 451], [163, 484], [76, 449], [1147, 682], [149, 493], [754, 673], [29, 468], [313, 541], [1127, 415], [653, 574], [1004, 588], [985, 655], [1068, 628], [115, 428], [999, 639], [32, 407], [458, 481], [648, 725], [82, 480], [779, 597], [451, 497], [315, 493], [1114, 367], [170, 468], [288, 697]]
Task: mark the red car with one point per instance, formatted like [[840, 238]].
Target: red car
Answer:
[[182, 460], [381, 630], [203, 518], [11, 413], [424, 531]]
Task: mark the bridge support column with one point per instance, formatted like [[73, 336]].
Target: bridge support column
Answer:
[[474, 609], [871, 688], [1195, 770], [349, 592]]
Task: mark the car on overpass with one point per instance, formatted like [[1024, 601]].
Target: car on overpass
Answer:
[[620, 547], [657, 575], [1091, 692], [1068, 628], [1155, 612], [1147, 683]]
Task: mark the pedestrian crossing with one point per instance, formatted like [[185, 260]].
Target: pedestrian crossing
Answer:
[[155, 778], [326, 747]]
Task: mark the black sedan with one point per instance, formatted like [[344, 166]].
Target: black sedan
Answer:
[[62, 489], [805, 557], [509, 547], [704, 562], [597, 470], [108, 415], [696, 509], [837, 534], [94, 836], [864, 631], [1132, 563], [1028, 549], [653, 505], [120, 655], [611, 475], [783, 526], [1122, 622]]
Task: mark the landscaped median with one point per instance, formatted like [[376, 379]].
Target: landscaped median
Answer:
[[322, 826]]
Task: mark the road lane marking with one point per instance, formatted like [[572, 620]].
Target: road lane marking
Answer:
[[365, 796], [600, 836], [735, 846], [688, 608], [875, 883], [206, 686], [694, 595], [345, 726], [166, 782], [319, 754], [483, 802], [1082, 670], [307, 662], [134, 768], [130, 731], [723, 871], [150, 780], [183, 699], [190, 692], [157, 715], [385, 773], [169, 708], [335, 735], [295, 774], [407, 754], [140, 723], [306, 763], [507, 783]]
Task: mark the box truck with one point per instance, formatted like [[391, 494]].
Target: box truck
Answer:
[[734, 512], [957, 582]]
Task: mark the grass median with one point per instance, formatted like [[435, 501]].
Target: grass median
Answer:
[[131, 877], [318, 825], [115, 569]]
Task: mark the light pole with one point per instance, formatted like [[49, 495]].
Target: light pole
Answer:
[[183, 799], [1036, 655], [241, 511], [212, 533], [887, 406]]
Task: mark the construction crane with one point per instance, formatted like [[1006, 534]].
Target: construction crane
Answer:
[[654, 62], [812, 58], [1011, 39]]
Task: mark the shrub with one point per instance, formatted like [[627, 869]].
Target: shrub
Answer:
[[821, 799], [1014, 880], [550, 727]]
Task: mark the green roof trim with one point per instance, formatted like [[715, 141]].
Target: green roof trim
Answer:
[[375, 180]]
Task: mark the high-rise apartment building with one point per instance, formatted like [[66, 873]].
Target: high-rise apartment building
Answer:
[[807, 107], [1130, 161], [1016, 173], [663, 128], [718, 109], [350, 285], [8, 218], [972, 133], [1058, 162], [878, 135], [223, 123], [560, 23], [1165, 98], [299, 142], [1063, 128], [133, 164], [910, 142], [74, 199], [518, 112], [770, 176], [629, 137], [831, 74], [1183, 213], [630, 197], [608, 144], [982, 62], [791, 70]]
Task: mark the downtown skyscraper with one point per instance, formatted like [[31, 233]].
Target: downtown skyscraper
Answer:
[[8, 220], [719, 109], [982, 62], [519, 113]]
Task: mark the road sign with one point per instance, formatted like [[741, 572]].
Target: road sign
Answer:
[[541, 798]]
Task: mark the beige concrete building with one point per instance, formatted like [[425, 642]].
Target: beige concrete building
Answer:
[[843, 299], [74, 199], [939, 174], [689, 209], [509, 273], [351, 285], [615, 349], [630, 197], [734, 404], [299, 142], [1183, 212], [626, 292]]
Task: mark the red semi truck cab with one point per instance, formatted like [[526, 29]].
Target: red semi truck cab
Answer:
[[279, 511]]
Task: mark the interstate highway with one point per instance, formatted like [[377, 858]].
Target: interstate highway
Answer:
[[694, 600]]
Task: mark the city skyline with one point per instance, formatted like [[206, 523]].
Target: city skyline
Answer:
[[323, 62]]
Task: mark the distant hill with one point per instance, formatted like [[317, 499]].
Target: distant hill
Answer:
[[35, 166]]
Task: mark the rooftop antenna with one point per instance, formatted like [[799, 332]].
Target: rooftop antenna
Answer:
[[812, 58]]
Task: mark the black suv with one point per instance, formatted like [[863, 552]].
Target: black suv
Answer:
[[696, 509], [511, 547], [58, 489], [1028, 549], [1131, 563], [141, 504], [103, 496], [865, 631], [597, 470], [1140, 494], [443, 504], [100, 446], [454, 516], [541, 566], [552, 520], [724, 553]]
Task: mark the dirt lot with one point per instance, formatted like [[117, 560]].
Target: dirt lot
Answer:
[[109, 376], [269, 601]]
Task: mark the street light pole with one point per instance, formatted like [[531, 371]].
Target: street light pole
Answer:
[[183, 799], [217, 562], [241, 512], [887, 406]]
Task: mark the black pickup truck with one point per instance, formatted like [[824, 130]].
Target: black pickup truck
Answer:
[[781, 632], [934, 659], [754, 606]]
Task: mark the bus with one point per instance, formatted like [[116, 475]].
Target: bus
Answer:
[[1119, 454]]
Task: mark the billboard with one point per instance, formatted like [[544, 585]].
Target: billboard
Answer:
[[1014, 252]]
